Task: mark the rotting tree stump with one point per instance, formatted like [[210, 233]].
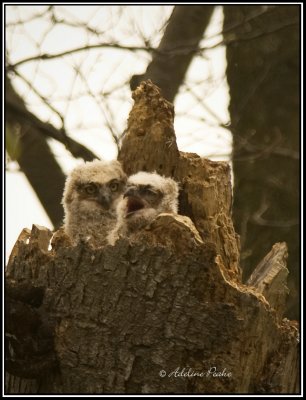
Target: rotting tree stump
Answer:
[[166, 313]]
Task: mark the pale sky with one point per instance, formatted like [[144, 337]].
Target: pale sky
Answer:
[[84, 118]]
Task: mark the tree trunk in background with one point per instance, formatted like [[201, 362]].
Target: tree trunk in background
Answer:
[[34, 155], [36, 159], [263, 76], [128, 318], [177, 48]]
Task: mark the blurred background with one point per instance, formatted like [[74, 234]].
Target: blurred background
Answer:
[[232, 72]]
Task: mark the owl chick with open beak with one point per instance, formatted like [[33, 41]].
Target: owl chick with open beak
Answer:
[[146, 196]]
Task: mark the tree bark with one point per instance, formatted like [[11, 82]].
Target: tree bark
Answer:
[[270, 277], [206, 192], [177, 48], [263, 76], [166, 313]]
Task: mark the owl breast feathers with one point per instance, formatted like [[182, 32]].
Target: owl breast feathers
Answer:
[[91, 194], [146, 196]]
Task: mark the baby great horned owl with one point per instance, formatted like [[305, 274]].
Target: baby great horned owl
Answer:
[[146, 196], [91, 194]]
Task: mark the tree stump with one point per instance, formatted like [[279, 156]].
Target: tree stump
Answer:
[[166, 313]]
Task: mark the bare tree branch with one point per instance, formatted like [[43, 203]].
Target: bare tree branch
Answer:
[[188, 46], [16, 107], [102, 107], [177, 48], [30, 19], [46, 56], [43, 98], [258, 219], [37, 161]]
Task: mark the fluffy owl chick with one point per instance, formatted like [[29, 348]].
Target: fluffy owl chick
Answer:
[[91, 194], [146, 196]]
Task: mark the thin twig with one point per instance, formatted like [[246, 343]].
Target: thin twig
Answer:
[[43, 98], [46, 56]]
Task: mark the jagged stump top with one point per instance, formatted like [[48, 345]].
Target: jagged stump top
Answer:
[[149, 143]]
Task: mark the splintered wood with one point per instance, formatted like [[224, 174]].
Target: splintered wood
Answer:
[[206, 193]]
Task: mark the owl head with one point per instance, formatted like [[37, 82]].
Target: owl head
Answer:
[[95, 185], [146, 196]]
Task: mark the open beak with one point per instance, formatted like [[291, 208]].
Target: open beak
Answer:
[[134, 202]]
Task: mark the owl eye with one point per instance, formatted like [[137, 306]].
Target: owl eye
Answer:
[[91, 188], [114, 186], [151, 192]]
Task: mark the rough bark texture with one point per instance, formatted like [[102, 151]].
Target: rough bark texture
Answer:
[[263, 76], [133, 317], [206, 193], [177, 48]]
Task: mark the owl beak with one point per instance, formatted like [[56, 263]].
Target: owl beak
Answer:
[[131, 192], [104, 200], [134, 202]]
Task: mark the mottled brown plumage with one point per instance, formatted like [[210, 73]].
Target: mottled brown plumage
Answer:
[[91, 194]]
